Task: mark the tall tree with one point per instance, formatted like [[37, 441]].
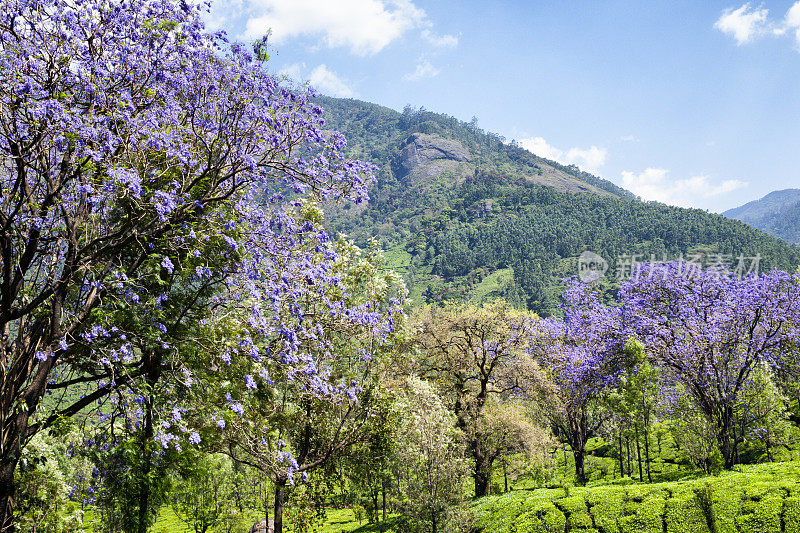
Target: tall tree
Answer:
[[128, 140], [710, 329], [291, 419], [583, 352], [475, 354], [431, 468]]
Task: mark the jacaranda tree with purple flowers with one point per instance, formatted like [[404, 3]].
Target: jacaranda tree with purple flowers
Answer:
[[133, 144], [711, 329], [308, 394], [584, 353]]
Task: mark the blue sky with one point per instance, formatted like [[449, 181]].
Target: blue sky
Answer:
[[685, 102]]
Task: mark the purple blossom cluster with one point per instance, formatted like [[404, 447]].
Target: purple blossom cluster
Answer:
[[150, 175], [582, 349], [707, 332]]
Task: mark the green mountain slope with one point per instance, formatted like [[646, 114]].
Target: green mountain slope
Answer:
[[778, 213], [465, 216]]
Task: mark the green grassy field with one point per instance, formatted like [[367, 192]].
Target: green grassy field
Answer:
[[492, 285], [337, 521]]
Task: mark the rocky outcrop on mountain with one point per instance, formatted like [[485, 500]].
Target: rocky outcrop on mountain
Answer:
[[424, 155]]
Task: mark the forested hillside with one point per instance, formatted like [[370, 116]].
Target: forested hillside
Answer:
[[466, 216], [778, 214]]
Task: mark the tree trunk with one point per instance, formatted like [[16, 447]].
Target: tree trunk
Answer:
[[383, 494], [638, 451], [266, 505], [280, 489], [621, 457], [628, 446], [725, 445], [433, 521], [483, 472], [144, 482], [580, 472], [505, 475], [647, 453], [7, 490], [14, 436]]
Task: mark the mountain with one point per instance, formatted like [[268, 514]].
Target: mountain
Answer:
[[464, 215], [778, 213]]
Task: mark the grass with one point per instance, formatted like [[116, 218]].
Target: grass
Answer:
[[759, 499], [344, 521], [168, 522], [337, 521], [492, 286]]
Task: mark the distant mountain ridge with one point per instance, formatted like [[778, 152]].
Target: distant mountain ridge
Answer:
[[777, 213], [463, 215]]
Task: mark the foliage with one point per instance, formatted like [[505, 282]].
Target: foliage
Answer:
[[147, 165], [203, 498], [289, 420], [763, 413], [476, 354], [44, 476], [583, 352], [431, 463], [758, 500], [694, 434]]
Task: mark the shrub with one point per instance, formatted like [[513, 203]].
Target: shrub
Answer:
[[607, 507], [791, 514], [644, 510], [684, 514]]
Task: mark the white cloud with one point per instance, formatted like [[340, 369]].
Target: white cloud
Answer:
[[654, 184], [321, 78], [363, 26], [440, 41], [589, 159], [744, 23], [294, 71], [222, 13], [326, 81], [424, 70], [628, 139], [747, 24], [792, 22]]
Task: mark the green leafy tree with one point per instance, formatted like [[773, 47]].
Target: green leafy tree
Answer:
[[203, 497], [475, 355], [763, 413], [694, 434], [431, 465], [44, 475], [370, 463], [635, 400]]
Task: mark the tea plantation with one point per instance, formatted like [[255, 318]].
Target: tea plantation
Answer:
[[760, 499]]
